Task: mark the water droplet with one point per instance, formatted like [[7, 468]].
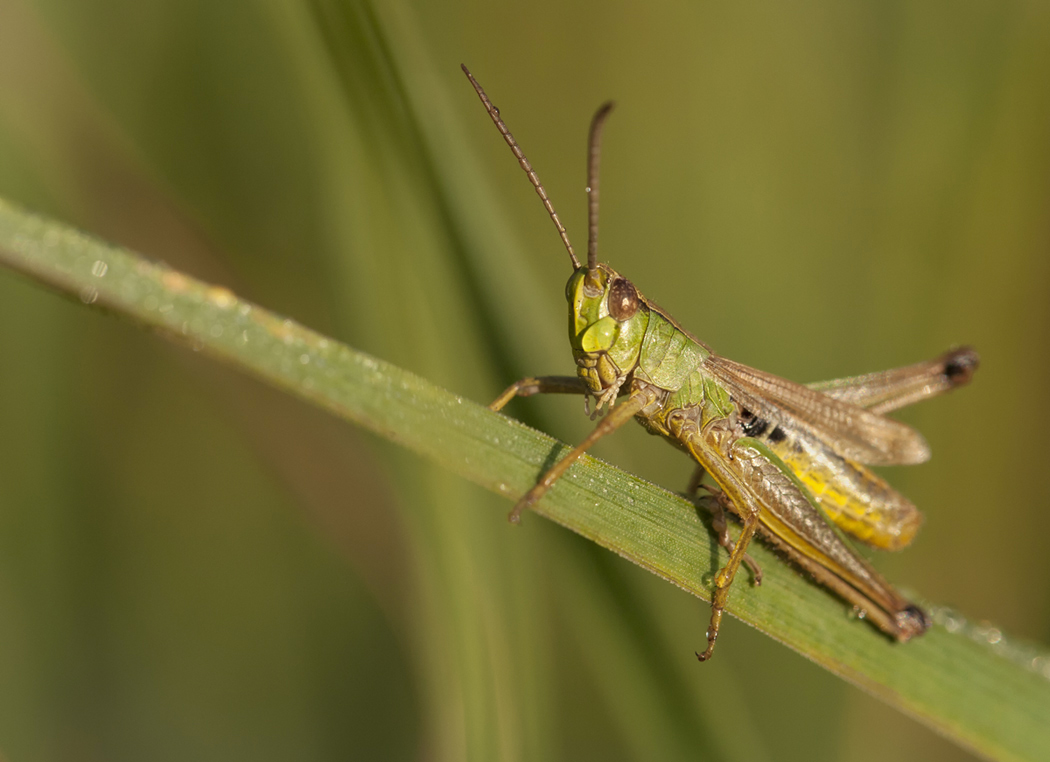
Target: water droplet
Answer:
[[988, 633], [304, 358], [174, 281], [1041, 666], [88, 295], [947, 618], [221, 297], [244, 336], [99, 269]]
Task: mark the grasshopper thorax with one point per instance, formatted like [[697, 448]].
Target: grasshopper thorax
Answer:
[[607, 322]]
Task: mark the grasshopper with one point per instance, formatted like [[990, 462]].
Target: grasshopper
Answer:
[[788, 460]]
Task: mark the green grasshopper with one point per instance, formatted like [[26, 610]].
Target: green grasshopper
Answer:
[[788, 460]]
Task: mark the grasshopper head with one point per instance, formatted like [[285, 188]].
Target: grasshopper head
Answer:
[[607, 322]]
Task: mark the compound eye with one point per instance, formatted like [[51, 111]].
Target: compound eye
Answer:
[[623, 299]]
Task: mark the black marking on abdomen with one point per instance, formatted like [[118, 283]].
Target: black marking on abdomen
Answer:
[[777, 435], [752, 425]]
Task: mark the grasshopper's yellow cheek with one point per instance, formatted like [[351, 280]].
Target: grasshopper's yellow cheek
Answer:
[[599, 336]]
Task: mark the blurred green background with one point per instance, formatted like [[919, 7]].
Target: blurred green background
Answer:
[[194, 566]]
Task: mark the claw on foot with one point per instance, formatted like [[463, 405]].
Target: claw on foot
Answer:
[[756, 570], [710, 647]]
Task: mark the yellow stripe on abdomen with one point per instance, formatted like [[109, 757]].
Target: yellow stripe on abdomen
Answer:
[[856, 500]]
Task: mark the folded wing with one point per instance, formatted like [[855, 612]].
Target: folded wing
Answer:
[[848, 430]]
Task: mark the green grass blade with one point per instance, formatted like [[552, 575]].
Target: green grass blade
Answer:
[[968, 683]]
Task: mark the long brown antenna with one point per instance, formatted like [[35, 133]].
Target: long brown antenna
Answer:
[[494, 113], [594, 156]]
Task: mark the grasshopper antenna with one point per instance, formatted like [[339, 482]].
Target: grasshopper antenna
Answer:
[[494, 114], [594, 156]]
